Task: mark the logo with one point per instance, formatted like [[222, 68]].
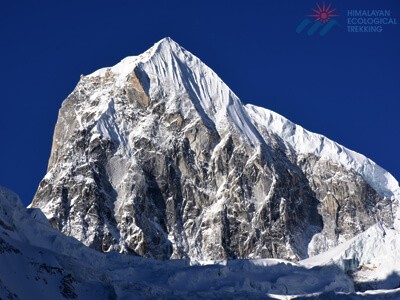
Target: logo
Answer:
[[323, 20], [376, 20]]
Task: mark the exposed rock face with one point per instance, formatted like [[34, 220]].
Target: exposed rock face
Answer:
[[156, 156], [348, 204]]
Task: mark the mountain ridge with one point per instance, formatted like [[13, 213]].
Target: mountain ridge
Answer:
[[157, 156], [161, 183], [168, 45]]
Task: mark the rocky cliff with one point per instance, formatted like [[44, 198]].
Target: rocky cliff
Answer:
[[157, 157]]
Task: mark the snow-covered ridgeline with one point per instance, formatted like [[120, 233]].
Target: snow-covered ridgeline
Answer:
[[173, 71], [306, 142]]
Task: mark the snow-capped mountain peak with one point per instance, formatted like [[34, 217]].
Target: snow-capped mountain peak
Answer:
[[157, 156], [174, 73]]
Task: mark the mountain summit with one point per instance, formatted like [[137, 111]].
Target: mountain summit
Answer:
[[156, 156]]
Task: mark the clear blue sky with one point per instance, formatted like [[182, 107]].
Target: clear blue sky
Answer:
[[343, 85]]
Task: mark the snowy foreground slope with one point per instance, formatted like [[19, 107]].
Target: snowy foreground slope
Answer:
[[156, 156], [39, 262], [372, 258]]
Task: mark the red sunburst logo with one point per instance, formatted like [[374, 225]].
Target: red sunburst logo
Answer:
[[323, 14]]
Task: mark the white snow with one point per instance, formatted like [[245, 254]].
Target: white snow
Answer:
[[175, 72], [305, 142], [373, 255], [43, 257]]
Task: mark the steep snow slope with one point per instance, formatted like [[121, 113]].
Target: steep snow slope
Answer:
[[306, 142], [175, 72], [182, 73], [371, 257], [156, 156], [32, 261]]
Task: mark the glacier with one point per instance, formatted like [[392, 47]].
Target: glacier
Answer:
[[39, 262]]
